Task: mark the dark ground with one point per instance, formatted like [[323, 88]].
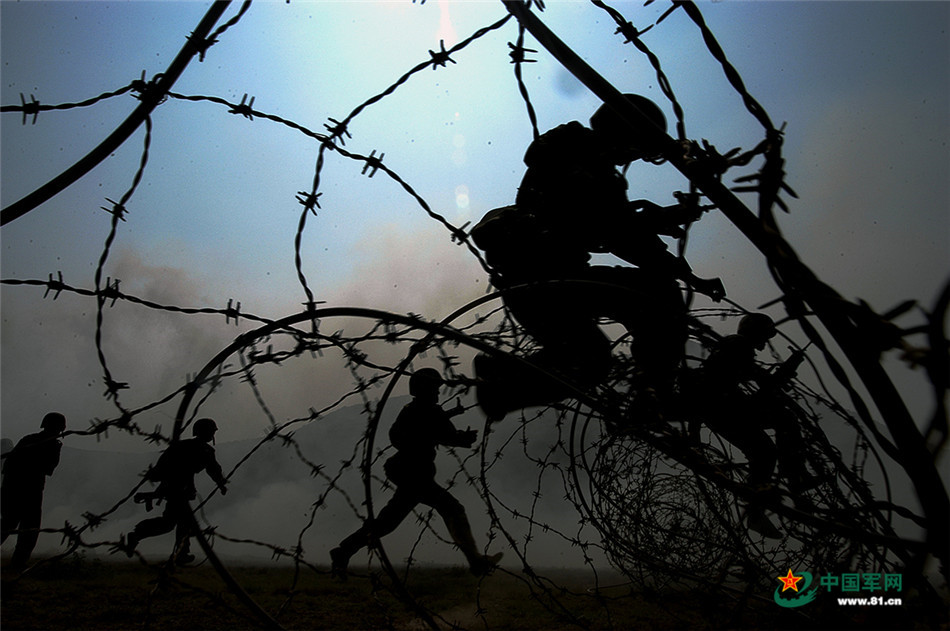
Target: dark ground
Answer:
[[79, 594]]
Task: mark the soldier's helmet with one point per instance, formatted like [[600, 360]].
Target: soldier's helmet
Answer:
[[636, 143], [204, 428], [425, 381], [757, 326], [54, 422]]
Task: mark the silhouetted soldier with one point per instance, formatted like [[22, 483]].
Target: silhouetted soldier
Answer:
[[741, 414], [6, 446], [573, 202], [422, 425], [175, 473], [25, 469]]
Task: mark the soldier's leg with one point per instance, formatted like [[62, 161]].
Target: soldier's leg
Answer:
[[456, 521], [183, 533], [30, 517], [454, 517], [10, 510], [556, 317], [573, 349], [153, 527], [751, 438], [388, 519], [651, 308], [790, 446]]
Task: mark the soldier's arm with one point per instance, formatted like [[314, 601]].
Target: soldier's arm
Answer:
[[667, 220], [655, 256], [52, 455], [451, 437], [458, 409], [216, 474], [786, 371], [461, 438]]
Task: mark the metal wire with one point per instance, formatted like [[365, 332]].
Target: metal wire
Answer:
[[686, 530]]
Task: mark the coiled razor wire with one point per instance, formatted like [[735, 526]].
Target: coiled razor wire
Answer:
[[661, 508]]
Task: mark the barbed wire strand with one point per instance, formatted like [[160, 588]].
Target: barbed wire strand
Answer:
[[771, 178], [150, 100]]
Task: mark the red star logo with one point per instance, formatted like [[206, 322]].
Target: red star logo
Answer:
[[790, 581]]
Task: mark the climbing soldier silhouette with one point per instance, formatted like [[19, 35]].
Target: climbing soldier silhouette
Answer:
[[572, 202], [175, 473], [25, 469], [739, 400], [422, 425]]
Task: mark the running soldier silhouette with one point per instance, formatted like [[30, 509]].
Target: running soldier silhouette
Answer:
[[739, 400], [175, 473], [25, 469], [572, 202], [422, 425]]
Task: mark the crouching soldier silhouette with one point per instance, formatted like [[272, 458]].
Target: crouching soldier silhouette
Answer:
[[739, 400], [572, 202], [175, 473], [422, 425], [25, 469]]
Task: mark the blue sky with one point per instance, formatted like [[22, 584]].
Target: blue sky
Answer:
[[862, 86]]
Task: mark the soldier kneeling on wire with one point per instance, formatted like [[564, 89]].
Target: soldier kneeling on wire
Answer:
[[739, 400]]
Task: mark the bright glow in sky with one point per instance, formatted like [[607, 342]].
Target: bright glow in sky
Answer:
[[862, 86]]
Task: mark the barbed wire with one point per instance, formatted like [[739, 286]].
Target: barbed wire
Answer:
[[34, 107], [150, 94], [672, 485]]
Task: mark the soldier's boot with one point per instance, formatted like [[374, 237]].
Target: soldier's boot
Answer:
[[504, 385], [183, 555], [128, 543], [479, 564], [484, 564], [339, 562], [184, 558], [340, 555]]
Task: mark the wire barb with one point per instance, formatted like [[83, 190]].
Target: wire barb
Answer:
[[111, 291], [439, 58], [310, 201], [117, 210], [30, 109], [113, 387], [244, 108], [337, 130], [373, 162], [517, 54], [149, 91], [232, 312], [56, 286], [201, 44]]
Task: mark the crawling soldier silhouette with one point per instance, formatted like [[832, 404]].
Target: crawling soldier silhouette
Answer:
[[742, 415], [422, 425], [25, 469], [175, 473], [572, 202]]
